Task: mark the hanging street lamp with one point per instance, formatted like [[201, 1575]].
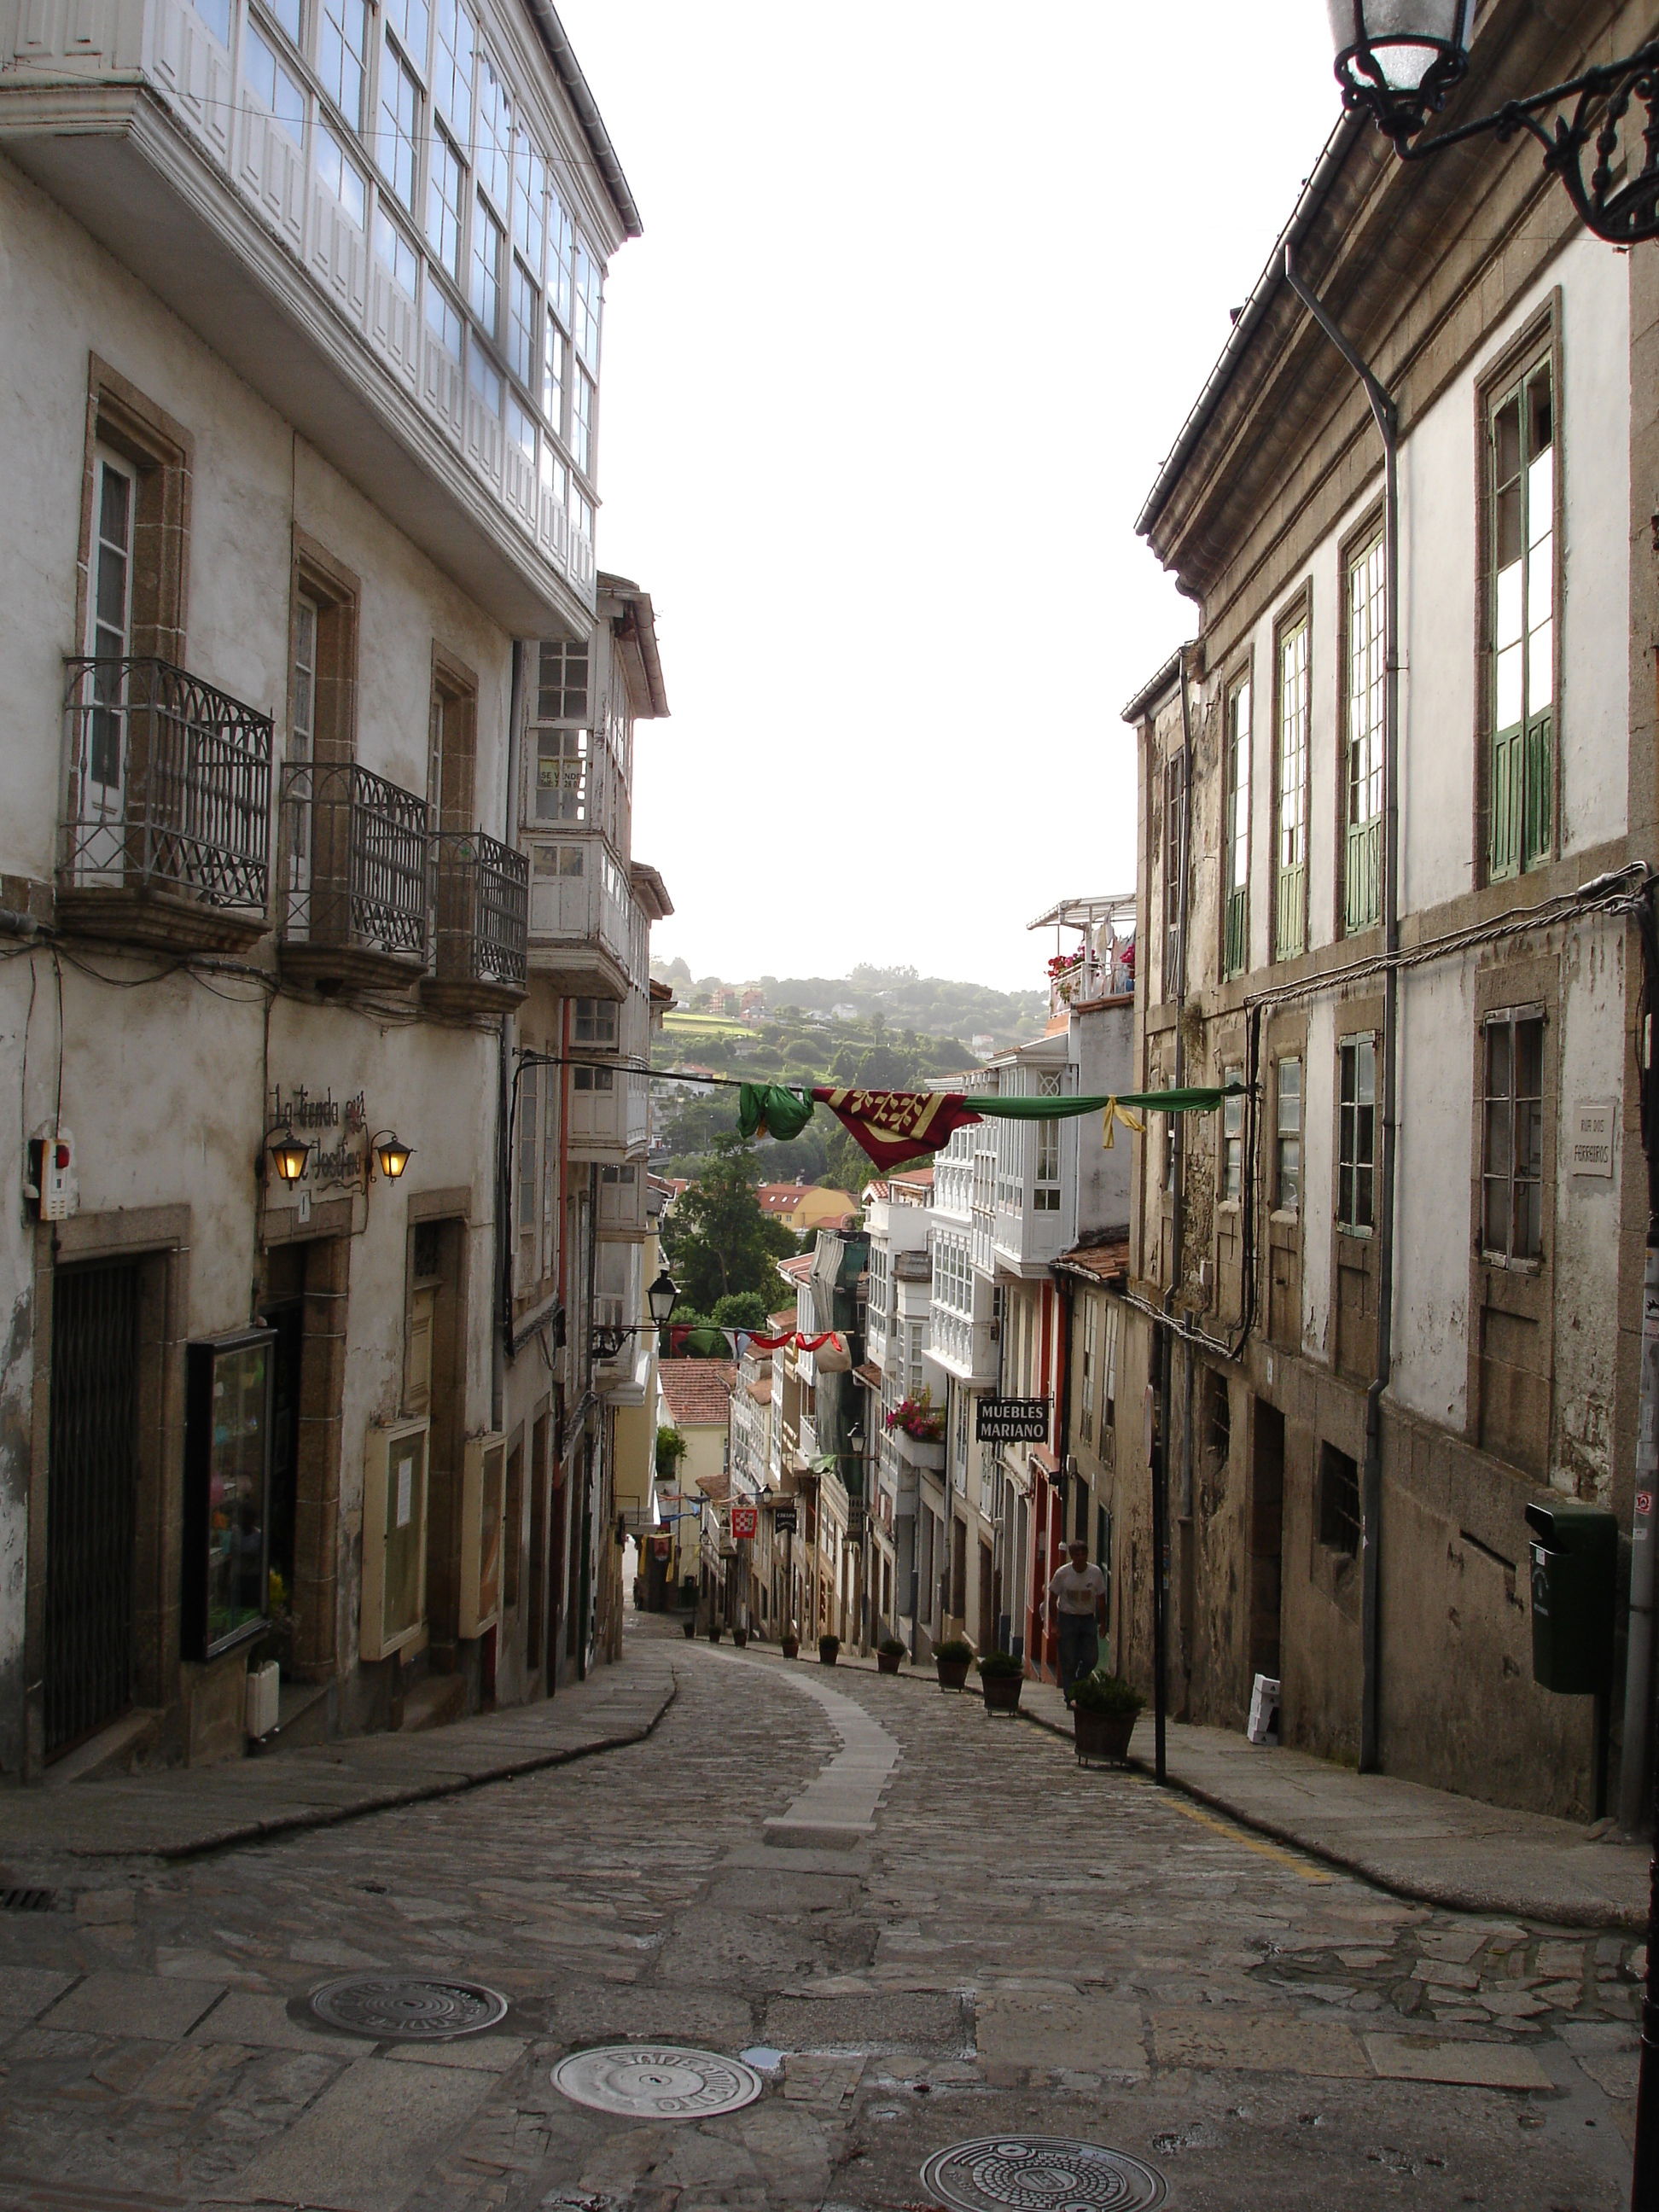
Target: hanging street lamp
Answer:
[[1400, 60]]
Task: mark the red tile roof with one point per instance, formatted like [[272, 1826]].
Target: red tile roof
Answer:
[[1106, 1263], [698, 1392]]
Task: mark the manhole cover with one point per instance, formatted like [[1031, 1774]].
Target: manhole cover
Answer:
[[421, 2011], [658, 2081], [1040, 2173]]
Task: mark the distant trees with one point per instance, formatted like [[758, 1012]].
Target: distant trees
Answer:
[[717, 1239]]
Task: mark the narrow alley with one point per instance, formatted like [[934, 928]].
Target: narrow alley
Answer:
[[1017, 1950]]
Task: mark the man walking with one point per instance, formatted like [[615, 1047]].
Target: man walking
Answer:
[[1077, 1599]]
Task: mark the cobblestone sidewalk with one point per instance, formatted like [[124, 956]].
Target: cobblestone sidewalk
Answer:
[[179, 1811]]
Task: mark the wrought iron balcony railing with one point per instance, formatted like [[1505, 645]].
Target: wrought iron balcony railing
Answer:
[[169, 801], [481, 891], [356, 897]]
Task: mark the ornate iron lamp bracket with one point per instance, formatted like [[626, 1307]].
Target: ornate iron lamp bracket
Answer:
[[1623, 212]]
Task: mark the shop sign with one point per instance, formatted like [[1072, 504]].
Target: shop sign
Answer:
[[1012, 1421], [784, 1520], [745, 1520], [660, 1546], [336, 1127], [1593, 1123]]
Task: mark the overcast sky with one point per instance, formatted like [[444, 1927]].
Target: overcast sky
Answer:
[[925, 290]]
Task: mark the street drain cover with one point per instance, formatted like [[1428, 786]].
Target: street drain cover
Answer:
[[414, 2010], [657, 2081], [1040, 2173]]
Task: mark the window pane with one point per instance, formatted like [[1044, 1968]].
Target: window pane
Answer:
[[452, 66], [395, 253], [400, 102], [495, 134], [486, 268], [444, 201], [342, 46], [409, 20], [344, 181], [553, 371]]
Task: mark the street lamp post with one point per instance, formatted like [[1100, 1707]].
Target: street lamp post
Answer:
[[1400, 60]]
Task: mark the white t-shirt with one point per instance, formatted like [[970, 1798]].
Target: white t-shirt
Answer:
[[1077, 1590]]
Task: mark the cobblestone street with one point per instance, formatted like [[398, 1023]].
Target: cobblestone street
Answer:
[[1018, 1949]]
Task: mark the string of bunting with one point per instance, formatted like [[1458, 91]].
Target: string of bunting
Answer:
[[894, 1126]]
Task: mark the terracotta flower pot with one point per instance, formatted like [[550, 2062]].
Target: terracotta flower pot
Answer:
[[887, 1663], [953, 1673], [1001, 1692], [1102, 1735]]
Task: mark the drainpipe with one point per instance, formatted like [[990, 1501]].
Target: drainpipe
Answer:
[[1164, 1345], [1636, 1755], [1386, 414], [504, 1087]]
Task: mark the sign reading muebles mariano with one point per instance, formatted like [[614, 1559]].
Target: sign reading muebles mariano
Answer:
[[1012, 1421]]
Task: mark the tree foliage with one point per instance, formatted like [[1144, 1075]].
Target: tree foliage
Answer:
[[717, 1239]]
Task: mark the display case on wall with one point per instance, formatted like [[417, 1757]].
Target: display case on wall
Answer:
[[393, 1613], [483, 1499], [227, 1428]]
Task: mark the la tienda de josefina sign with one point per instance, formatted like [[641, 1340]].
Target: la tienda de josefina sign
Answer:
[[1012, 1421]]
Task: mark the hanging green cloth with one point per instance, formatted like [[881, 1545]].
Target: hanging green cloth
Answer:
[[771, 1109], [1189, 1101]]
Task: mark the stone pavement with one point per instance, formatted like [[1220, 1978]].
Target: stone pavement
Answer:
[[1428, 1844], [1016, 1948], [178, 1811]]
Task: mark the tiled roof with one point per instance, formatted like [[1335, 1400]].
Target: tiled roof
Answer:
[[869, 1374], [698, 1392], [922, 1177], [1105, 1263]]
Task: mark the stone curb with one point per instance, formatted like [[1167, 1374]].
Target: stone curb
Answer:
[[1470, 1896], [375, 1800]]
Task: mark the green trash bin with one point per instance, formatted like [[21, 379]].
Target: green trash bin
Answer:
[[1575, 1558]]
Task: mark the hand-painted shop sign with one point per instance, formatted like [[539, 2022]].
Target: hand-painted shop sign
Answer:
[[1012, 1421], [338, 1129]]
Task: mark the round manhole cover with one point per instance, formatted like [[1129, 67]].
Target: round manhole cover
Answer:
[[1040, 2173], [402, 2005], [657, 2081]]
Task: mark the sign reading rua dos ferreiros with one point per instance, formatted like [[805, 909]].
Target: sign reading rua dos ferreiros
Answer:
[[1012, 1421]]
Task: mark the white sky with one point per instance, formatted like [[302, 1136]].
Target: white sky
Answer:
[[925, 290]]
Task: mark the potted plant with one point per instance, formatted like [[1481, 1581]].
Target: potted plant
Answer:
[[953, 1658], [1000, 1675], [740, 1638], [790, 1642], [889, 1652], [1103, 1712], [714, 1632], [688, 1626], [829, 1646]]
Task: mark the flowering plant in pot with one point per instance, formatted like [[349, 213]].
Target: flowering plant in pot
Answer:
[[1000, 1675], [919, 1417], [953, 1658], [889, 1652], [829, 1646], [1104, 1708]]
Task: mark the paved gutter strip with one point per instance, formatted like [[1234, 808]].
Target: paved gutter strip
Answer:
[[1482, 1888]]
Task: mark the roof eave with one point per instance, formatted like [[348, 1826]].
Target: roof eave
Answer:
[[605, 158]]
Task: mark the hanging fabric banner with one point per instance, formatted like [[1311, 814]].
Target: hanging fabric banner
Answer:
[[894, 1126]]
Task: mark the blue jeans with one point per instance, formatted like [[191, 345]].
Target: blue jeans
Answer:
[[1080, 1647]]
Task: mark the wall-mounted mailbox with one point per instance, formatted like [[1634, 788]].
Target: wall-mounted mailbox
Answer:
[[1575, 1560]]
